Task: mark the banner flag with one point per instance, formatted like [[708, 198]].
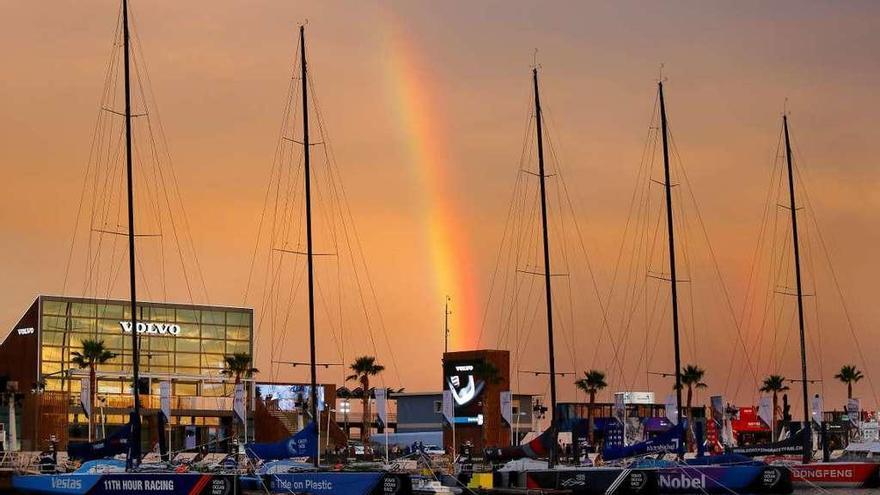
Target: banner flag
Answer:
[[671, 409], [165, 399], [816, 409], [85, 396], [381, 405], [238, 403], [507, 407], [765, 410], [448, 408]]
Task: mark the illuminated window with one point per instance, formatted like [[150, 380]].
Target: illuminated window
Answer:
[[238, 318], [53, 338], [52, 353], [109, 387], [111, 311], [213, 332], [188, 345], [238, 333], [54, 308], [213, 361], [83, 309], [213, 318], [187, 360], [186, 389], [187, 316]]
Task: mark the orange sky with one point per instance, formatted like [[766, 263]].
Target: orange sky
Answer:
[[220, 70]]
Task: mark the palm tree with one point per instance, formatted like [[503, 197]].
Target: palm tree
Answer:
[[592, 382], [849, 374], [238, 365], [93, 353], [363, 368], [691, 377], [774, 384]]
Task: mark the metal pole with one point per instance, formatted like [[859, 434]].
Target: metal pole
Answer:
[[135, 446], [547, 287], [672, 274], [808, 455]]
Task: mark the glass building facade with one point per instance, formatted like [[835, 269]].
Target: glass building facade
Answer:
[[181, 344]]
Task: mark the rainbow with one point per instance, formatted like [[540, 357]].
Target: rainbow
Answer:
[[414, 107]]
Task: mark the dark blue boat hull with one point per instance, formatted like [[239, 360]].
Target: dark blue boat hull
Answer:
[[126, 483]]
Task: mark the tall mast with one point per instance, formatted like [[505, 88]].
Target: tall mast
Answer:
[[797, 271], [673, 281], [134, 452], [547, 288], [446, 314], [309, 257]]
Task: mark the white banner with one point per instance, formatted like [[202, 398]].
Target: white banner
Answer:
[[238, 403], [765, 409], [507, 407], [448, 408], [165, 399], [671, 409], [816, 409], [319, 396], [85, 396], [382, 405], [853, 408]]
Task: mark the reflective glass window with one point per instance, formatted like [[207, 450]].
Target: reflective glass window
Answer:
[[54, 307], [213, 332], [238, 318], [187, 316], [213, 361], [233, 347], [52, 353], [213, 317], [189, 360], [213, 346], [185, 389], [188, 345], [110, 311], [53, 338], [189, 330], [238, 333]]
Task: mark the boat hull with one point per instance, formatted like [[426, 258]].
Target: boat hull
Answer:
[[126, 483], [640, 481], [836, 474]]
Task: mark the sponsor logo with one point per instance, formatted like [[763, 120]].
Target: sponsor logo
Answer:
[[66, 484], [152, 328], [682, 481], [25, 331], [390, 485], [822, 473], [129, 485], [573, 481], [637, 481], [770, 477]]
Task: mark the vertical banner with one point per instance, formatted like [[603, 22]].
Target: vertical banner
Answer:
[[319, 396], [816, 409], [671, 409], [448, 413], [619, 411], [85, 396], [238, 403], [382, 405], [765, 410], [853, 408], [165, 399], [507, 407], [717, 408]]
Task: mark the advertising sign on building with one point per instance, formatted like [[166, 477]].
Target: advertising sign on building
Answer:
[[461, 381], [637, 397]]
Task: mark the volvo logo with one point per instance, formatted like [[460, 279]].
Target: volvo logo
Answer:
[[152, 328]]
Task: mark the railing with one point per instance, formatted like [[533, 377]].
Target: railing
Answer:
[[153, 402]]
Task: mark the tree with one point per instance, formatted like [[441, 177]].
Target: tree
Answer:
[[93, 354], [849, 374], [363, 368], [774, 384], [238, 365], [592, 382], [691, 377]]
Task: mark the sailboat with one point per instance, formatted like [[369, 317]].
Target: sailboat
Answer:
[[113, 478], [709, 474], [281, 474], [807, 473]]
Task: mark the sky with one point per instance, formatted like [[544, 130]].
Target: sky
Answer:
[[426, 104]]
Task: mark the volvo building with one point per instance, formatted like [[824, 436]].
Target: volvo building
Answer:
[[182, 344]]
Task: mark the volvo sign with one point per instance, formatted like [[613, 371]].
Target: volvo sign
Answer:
[[172, 329]]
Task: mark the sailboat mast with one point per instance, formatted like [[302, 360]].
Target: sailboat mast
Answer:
[[547, 287], [313, 393], [797, 271], [135, 446], [673, 280]]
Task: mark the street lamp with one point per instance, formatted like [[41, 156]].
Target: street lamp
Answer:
[[345, 408]]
